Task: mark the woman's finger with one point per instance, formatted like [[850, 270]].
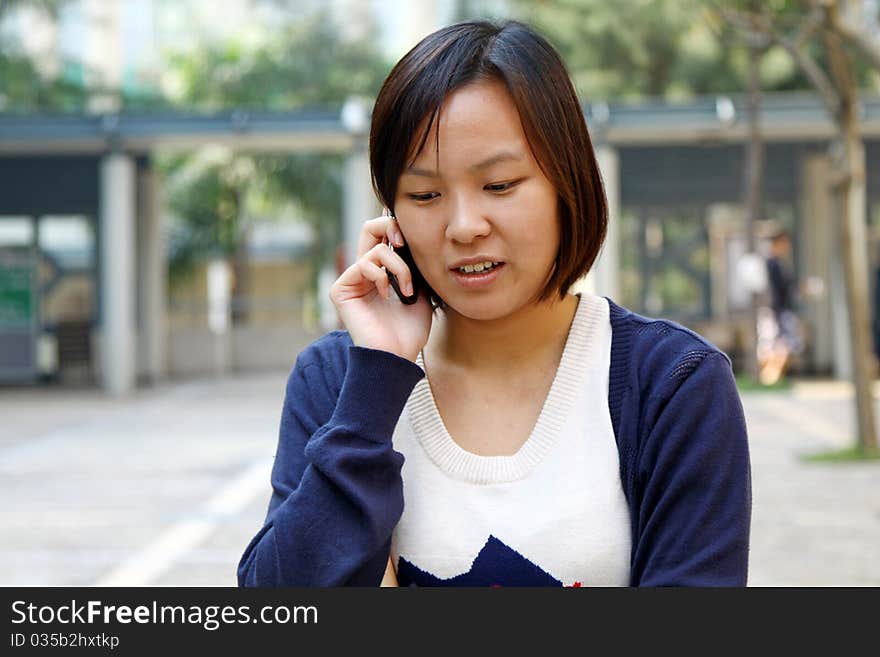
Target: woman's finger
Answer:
[[377, 230], [383, 256], [357, 280], [372, 272], [395, 236], [373, 267]]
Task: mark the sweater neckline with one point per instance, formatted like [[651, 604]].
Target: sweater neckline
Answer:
[[579, 356]]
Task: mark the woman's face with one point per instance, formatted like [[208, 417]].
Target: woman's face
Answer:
[[482, 196]]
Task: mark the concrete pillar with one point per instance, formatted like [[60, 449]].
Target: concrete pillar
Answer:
[[152, 279], [359, 201], [815, 236], [604, 277], [117, 225]]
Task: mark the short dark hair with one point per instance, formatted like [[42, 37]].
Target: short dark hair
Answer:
[[553, 120]]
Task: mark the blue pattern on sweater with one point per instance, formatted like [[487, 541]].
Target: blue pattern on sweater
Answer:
[[495, 565]]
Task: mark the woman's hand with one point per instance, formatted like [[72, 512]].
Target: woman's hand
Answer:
[[367, 304]]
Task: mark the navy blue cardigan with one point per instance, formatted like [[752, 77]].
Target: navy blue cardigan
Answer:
[[677, 417]]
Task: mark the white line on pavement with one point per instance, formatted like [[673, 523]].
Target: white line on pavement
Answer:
[[150, 563]]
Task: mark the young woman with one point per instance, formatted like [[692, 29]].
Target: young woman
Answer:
[[500, 430]]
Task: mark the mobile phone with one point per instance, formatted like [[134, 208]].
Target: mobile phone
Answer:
[[418, 282]]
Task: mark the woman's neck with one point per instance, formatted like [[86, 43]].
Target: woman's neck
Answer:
[[505, 345]]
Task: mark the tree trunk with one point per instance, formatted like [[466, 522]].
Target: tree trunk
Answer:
[[852, 232], [241, 279], [850, 194]]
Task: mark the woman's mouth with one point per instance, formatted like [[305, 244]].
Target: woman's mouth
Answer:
[[479, 267], [479, 276]]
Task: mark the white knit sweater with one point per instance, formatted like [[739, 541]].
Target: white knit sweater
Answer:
[[553, 513]]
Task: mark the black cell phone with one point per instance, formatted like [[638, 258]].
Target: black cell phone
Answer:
[[418, 282]]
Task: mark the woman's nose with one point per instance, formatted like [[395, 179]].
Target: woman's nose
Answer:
[[466, 223]]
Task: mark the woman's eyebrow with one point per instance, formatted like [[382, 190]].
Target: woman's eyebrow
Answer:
[[503, 156]]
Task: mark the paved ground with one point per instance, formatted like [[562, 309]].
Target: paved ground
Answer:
[[168, 486]]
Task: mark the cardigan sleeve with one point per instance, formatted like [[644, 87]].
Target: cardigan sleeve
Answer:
[[695, 479], [337, 491]]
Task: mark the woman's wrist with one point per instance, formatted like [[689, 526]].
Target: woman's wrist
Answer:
[[412, 357]]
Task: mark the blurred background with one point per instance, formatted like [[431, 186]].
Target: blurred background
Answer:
[[182, 180]]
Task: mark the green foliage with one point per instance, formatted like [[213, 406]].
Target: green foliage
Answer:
[[315, 181], [49, 6], [673, 49], [205, 194], [24, 89], [633, 48], [855, 454], [307, 65], [745, 383]]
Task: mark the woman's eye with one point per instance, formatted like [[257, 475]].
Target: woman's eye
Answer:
[[500, 187], [423, 197]]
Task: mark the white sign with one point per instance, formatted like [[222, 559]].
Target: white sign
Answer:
[[218, 296]]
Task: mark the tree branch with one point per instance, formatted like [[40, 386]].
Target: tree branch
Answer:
[[840, 65], [809, 26], [744, 23], [760, 31], [795, 47], [828, 93], [861, 42]]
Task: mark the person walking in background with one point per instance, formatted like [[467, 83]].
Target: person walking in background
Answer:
[[779, 330]]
